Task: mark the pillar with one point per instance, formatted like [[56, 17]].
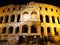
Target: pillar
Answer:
[[52, 31], [29, 28], [38, 30], [45, 31], [20, 29], [14, 28], [7, 30]]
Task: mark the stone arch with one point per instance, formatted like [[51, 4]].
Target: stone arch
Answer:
[[25, 12], [33, 29], [24, 29], [10, 29], [48, 31], [4, 30], [33, 12]]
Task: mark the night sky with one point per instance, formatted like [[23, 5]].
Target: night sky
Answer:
[[6, 2]]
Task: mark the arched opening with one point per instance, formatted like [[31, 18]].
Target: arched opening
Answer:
[[53, 19], [40, 8], [33, 29], [41, 17], [18, 18], [46, 9], [33, 12], [17, 29], [56, 33], [24, 29], [48, 31], [8, 9], [4, 30], [1, 19], [25, 13], [51, 9], [13, 8], [12, 18], [42, 31], [6, 18], [10, 30], [47, 19]]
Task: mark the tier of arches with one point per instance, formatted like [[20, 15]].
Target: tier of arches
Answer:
[[5, 19], [15, 8], [25, 29]]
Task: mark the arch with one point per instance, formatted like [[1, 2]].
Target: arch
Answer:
[[41, 17], [47, 18], [8, 9], [46, 8], [1, 19], [56, 33], [6, 19], [53, 19], [42, 31], [51, 9], [18, 18], [10, 29], [25, 13], [33, 12], [24, 29], [48, 31], [4, 30], [12, 18], [33, 29], [17, 29]]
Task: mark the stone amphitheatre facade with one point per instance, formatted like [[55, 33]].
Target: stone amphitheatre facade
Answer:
[[30, 21]]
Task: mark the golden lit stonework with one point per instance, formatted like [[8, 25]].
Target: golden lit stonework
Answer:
[[29, 23]]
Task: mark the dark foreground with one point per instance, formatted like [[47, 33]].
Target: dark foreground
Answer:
[[57, 43]]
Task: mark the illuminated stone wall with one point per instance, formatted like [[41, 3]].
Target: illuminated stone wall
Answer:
[[43, 18]]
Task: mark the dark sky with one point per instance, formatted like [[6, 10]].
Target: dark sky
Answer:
[[6, 2]]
